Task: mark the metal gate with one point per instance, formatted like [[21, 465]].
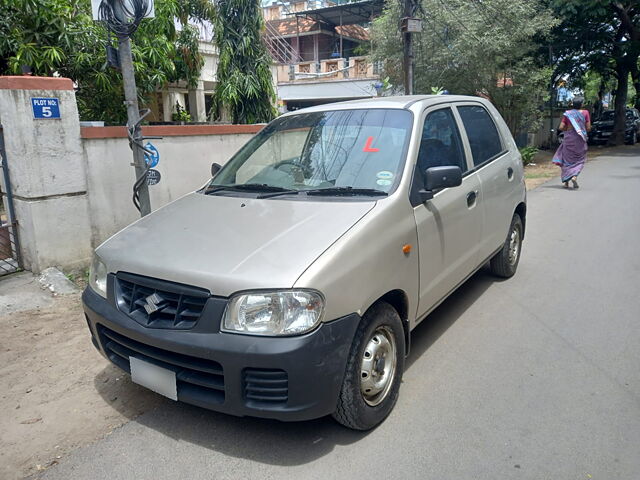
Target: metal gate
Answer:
[[10, 258]]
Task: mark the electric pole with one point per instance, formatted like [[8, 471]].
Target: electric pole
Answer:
[[407, 36], [122, 17], [133, 121]]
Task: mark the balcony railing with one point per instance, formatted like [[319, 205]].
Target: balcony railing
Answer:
[[328, 70]]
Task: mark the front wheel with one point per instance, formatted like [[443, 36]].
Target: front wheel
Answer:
[[505, 262], [374, 370]]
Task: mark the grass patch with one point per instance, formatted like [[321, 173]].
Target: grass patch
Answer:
[[78, 276], [539, 175]]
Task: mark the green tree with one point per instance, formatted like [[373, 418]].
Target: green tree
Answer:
[[245, 85], [602, 36], [484, 48], [59, 36], [189, 60]]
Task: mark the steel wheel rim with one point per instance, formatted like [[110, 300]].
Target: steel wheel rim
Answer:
[[514, 246], [378, 366]]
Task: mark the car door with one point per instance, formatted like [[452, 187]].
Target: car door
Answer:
[[448, 225], [496, 163]]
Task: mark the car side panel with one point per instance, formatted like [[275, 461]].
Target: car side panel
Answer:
[[502, 182], [368, 262], [449, 236]]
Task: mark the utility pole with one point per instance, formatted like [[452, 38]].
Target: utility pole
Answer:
[[122, 17], [133, 121], [552, 100], [407, 36]]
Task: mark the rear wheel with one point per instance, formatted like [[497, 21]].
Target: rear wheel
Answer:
[[374, 370], [505, 262], [633, 138]]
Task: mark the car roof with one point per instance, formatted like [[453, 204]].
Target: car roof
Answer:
[[399, 102]]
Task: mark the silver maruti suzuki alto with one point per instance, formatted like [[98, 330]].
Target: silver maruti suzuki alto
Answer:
[[288, 286]]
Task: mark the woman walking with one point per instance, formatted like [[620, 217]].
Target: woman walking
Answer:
[[572, 152]]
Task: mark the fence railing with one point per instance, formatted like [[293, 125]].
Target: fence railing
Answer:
[[10, 258]]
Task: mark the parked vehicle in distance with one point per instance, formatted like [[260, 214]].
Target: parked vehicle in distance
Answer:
[[602, 128], [289, 285]]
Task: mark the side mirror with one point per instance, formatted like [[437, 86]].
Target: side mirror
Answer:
[[215, 168], [437, 178]]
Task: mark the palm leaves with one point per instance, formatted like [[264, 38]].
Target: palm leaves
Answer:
[[245, 86]]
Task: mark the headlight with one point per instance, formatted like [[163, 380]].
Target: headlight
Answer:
[[98, 276], [289, 312]]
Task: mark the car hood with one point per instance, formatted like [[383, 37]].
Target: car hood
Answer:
[[227, 244]]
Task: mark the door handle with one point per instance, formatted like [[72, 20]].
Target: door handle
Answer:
[[471, 198], [510, 173]]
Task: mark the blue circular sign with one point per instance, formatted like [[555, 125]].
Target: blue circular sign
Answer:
[[151, 159]]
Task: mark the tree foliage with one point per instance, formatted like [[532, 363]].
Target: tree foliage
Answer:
[[60, 36], [601, 36], [475, 47], [245, 85]]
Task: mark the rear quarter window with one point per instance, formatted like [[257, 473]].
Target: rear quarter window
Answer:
[[484, 139]]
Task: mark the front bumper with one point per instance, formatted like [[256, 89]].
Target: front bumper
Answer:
[[285, 378]]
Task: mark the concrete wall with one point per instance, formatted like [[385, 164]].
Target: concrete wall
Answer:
[[186, 154], [73, 186], [47, 172]]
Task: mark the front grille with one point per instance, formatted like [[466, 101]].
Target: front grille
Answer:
[[265, 387], [159, 304], [196, 377]]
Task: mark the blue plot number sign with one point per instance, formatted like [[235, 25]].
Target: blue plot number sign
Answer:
[[45, 107]]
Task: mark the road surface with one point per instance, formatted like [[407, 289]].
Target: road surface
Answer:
[[537, 377]]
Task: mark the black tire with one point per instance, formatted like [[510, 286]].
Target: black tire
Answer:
[[352, 410], [633, 138], [503, 264]]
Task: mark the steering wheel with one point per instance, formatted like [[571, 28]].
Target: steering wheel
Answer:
[[305, 169]]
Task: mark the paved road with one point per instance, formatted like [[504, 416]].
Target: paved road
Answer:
[[536, 378]]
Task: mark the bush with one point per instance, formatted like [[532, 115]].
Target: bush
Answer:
[[527, 154], [180, 115]]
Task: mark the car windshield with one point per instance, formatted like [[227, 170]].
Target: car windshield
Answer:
[[343, 150]]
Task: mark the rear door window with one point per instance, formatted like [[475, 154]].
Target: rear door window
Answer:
[[484, 139]]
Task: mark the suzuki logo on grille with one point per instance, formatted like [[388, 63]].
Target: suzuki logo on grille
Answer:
[[153, 303]]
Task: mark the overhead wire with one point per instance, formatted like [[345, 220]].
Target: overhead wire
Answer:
[[123, 17]]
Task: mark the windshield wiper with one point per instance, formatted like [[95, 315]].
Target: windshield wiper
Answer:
[[346, 191], [249, 187], [276, 194]]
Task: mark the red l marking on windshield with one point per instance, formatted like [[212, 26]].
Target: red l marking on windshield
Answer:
[[368, 147]]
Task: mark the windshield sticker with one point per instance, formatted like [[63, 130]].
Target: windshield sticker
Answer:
[[383, 183], [384, 174], [368, 147]]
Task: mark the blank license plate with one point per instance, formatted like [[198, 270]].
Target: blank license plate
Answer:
[[155, 378]]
